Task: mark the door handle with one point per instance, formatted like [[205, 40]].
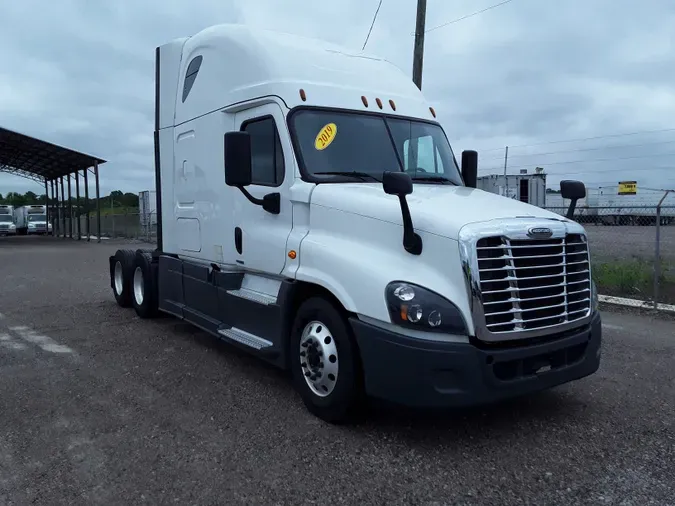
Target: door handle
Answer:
[[238, 240]]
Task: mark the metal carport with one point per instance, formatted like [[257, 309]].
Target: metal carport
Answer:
[[49, 163]]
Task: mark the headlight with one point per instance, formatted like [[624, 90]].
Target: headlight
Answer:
[[31, 225], [12, 225], [594, 297], [418, 308]]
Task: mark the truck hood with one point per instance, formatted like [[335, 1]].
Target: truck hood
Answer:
[[437, 209]]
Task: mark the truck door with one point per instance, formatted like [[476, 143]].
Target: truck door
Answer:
[[260, 237]]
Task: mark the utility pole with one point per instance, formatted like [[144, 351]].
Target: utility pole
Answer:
[[418, 55]]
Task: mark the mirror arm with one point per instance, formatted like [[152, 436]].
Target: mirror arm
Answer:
[[571, 209], [412, 242], [251, 198], [270, 202]]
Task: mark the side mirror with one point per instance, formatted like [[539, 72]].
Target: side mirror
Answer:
[[470, 168], [237, 159], [397, 183], [400, 184], [573, 190]]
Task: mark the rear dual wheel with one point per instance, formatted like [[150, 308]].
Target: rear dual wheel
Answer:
[[134, 281]]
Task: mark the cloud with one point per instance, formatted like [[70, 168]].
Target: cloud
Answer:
[[80, 74]]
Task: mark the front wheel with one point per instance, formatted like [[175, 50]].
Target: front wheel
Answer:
[[324, 360]]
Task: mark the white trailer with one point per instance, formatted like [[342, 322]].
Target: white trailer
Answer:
[[7, 226], [147, 207], [32, 220], [608, 207], [294, 222], [528, 188]]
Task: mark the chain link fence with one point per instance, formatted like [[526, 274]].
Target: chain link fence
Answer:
[[632, 250], [127, 225]]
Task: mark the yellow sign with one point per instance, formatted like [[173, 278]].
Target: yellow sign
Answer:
[[627, 187], [326, 136]]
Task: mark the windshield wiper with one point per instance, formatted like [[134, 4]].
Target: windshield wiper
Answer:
[[365, 176], [433, 179]]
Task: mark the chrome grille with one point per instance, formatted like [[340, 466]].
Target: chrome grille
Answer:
[[529, 284], [4, 226]]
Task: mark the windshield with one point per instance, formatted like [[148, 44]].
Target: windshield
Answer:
[[347, 142], [4, 218], [37, 217]]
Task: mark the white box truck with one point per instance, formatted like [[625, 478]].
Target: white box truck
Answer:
[[311, 211], [32, 220], [7, 226]]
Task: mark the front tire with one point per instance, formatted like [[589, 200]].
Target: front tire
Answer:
[[325, 362], [144, 289]]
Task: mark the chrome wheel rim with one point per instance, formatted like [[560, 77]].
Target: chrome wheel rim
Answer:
[[138, 285], [119, 278], [319, 358]]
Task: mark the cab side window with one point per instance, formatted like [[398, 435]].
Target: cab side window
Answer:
[[267, 157]]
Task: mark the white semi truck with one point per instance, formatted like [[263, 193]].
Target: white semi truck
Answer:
[[312, 212], [32, 220], [7, 226]]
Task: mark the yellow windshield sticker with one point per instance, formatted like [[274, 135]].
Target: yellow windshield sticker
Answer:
[[326, 136]]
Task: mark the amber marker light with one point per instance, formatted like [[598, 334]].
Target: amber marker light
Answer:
[[292, 254]]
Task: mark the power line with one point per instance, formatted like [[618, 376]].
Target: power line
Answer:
[[589, 161], [592, 172], [372, 25], [617, 146], [581, 139], [469, 15]]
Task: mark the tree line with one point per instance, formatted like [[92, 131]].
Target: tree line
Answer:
[[116, 199]]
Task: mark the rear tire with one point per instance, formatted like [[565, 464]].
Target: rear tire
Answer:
[[325, 362], [121, 272], [144, 288]]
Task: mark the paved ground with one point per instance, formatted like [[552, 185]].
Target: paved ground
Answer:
[[99, 407]]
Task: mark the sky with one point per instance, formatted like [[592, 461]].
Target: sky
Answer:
[[528, 75]]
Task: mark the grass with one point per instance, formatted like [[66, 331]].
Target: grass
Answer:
[[634, 278]]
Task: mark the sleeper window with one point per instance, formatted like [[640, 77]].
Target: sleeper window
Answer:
[[267, 158], [191, 75]]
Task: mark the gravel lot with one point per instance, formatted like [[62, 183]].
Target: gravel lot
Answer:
[[99, 407], [625, 242]]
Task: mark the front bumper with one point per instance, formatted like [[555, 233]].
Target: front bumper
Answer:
[[434, 374]]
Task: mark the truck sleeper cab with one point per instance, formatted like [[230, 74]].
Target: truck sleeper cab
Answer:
[[311, 211]]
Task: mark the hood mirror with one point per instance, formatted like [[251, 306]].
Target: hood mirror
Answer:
[[400, 184]]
